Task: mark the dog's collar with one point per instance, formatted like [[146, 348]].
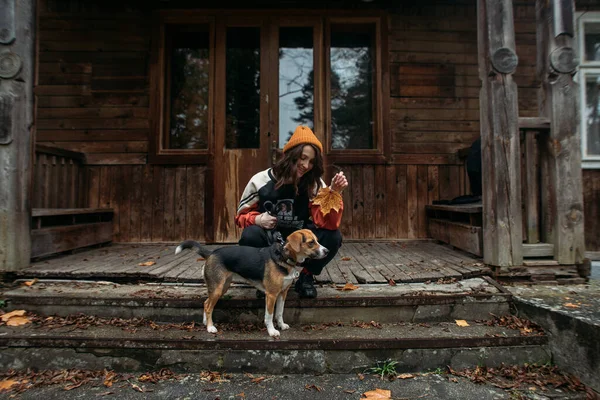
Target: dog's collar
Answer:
[[290, 261]]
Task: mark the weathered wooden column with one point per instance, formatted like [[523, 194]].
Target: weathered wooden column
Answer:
[[562, 198], [17, 46], [500, 145]]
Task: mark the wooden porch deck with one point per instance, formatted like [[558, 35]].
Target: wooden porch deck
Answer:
[[356, 262]]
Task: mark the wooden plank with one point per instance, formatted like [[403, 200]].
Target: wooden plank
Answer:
[[368, 175], [538, 250], [92, 135], [147, 201], [433, 188], [170, 198], [195, 203], [180, 206], [116, 159], [457, 208], [47, 212], [465, 237], [358, 222], [125, 203], [54, 240], [412, 201], [534, 123], [158, 204], [422, 195], [381, 192], [135, 196], [502, 222]]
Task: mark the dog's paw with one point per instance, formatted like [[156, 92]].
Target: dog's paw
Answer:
[[284, 326], [211, 329], [274, 333]]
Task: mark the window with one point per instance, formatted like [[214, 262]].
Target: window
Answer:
[[589, 86], [221, 81]]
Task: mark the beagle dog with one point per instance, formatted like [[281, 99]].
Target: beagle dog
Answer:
[[269, 269]]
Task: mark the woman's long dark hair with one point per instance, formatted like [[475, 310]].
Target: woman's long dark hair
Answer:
[[285, 170]]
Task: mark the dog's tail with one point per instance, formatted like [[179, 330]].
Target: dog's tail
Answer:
[[188, 244]]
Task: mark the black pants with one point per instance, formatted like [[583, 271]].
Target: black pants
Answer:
[[255, 236]]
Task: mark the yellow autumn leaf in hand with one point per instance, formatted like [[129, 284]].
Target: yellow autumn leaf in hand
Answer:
[[461, 322], [378, 394], [328, 200]]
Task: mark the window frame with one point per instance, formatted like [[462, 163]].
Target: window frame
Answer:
[[381, 151], [159, 92], [589, 67]]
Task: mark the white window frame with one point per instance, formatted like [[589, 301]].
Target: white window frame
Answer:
[[589, 67]]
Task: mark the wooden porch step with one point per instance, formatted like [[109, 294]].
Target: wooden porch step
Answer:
[[56, 230], [538, 250]]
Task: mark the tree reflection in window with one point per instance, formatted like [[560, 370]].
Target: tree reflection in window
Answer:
[[242, 129], [351, 82], [189, 83]]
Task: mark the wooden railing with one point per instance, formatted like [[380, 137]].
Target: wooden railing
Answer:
[[59, 178]]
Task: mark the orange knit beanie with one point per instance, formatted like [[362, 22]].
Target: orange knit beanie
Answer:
[[302, 135]]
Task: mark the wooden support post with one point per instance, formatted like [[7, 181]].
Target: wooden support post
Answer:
[[562, 199], [17, 46], [501, 155]]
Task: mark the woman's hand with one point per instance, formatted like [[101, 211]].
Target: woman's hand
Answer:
[[266, 220], [339, 182]]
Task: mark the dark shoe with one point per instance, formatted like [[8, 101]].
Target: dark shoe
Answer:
[[260, 294], [305, 287]]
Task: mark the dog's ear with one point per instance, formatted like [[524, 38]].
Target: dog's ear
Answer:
[[294, 241]]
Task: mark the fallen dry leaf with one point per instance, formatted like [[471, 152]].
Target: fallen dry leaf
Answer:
[[361, 377], [200, 259], [391, 282], [571, 305], [9, 315], [378, 394], [147, 264], [349, 391], [7, 384], [242, 395], [348, 286], [18, 321], [461, 322], [346, 258], [29, 283], [405, 376], [310, 387], [259, 379]]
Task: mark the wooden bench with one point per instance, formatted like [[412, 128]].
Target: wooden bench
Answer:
[[56, 230], [459, 225]]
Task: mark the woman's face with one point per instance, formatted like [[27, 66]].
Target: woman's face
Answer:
[[305, 162]]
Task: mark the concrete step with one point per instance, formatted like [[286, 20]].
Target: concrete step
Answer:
[[473, 298], [87, 342]]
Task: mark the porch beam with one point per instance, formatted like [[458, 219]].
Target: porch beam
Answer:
[[17, 46], [562, 199], [502, 222]]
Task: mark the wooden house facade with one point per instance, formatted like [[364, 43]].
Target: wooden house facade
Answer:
[[162, 112]]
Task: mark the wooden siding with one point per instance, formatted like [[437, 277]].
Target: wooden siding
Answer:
[[151, 203], [93, 96], [58, 182]]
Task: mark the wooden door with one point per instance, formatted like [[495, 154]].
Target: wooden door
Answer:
[[265, 83]]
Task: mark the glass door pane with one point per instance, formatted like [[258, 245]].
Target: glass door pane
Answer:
[[296, 80], [352, 82], [242, 118], [592, 115]]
